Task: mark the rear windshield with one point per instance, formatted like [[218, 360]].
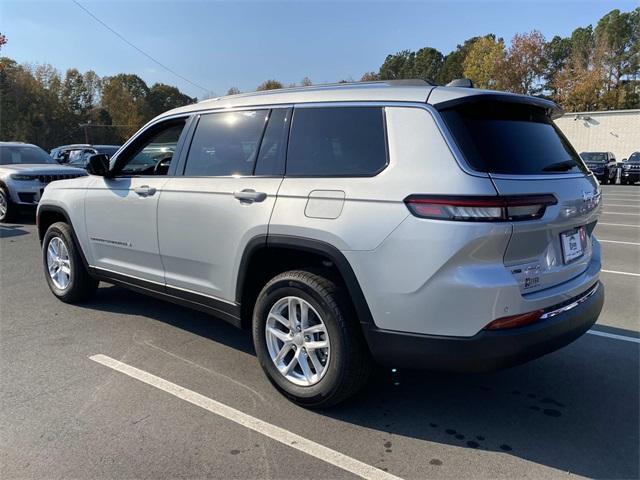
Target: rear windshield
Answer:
[[594, 157], [510, 139]]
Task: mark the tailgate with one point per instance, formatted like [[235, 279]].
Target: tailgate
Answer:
[[514, 141], [536, 254]]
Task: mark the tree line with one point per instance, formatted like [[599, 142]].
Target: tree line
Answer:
[[38, 105], [595, 68]]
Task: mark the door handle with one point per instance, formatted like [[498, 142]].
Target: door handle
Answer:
[[144, 190], [249, 195]]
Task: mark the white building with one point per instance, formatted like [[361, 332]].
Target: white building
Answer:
[[616, 131]]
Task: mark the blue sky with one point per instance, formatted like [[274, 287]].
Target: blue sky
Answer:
[[224, 44]]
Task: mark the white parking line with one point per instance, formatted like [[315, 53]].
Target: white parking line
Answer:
[[617, 241], [622, 213], [619, 224], [621, 273], [624, 338], [620, 205], [267, 429]]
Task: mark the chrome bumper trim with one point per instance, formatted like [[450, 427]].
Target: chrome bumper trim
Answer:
[[572, 305]]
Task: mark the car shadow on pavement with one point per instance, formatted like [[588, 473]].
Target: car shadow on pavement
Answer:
[[8, 231], [575, 410], [120, 300]]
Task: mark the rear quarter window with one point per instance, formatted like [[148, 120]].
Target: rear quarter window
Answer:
[[512, 139], [337, 142]]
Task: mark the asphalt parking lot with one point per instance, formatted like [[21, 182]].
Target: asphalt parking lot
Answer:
[[67, 413]]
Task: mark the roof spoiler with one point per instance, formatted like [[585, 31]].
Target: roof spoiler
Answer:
[[552, 109], [461, 82]]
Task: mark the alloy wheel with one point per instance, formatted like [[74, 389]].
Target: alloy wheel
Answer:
[[58, 263], [298, 341], [3, 204]]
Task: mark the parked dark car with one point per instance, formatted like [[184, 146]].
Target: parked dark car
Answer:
[[602, 164], [631, 169], [78, 155]]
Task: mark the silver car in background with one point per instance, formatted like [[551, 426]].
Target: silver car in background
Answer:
[[25, 170]]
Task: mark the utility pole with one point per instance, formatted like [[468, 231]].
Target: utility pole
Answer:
[[86, 132]]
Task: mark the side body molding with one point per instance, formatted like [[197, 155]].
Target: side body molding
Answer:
[[220, 309]]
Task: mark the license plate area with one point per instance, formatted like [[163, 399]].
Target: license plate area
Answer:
[[573, 243]]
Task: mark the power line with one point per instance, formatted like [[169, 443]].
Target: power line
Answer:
[[170, 70]]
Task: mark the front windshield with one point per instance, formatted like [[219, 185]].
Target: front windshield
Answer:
[[635, 157], [24, 155], [594, 157]]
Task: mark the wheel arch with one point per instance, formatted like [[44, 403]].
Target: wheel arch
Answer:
[[47, 215], [291, 251]]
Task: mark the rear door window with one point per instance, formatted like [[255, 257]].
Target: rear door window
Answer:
[[337, 142], [226, 144], [512, 139]]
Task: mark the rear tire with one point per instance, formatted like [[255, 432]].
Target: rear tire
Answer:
[[66, 274], [6, 206], [319, 378]]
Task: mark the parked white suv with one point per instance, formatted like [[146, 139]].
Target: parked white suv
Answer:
[[400, 223]]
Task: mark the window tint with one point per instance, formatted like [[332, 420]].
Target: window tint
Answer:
[[510, 139], [21, 155], [152, 154], [337, 141], [75, 156], [595, 157], [107, 150], [226, 143], [272, 149]]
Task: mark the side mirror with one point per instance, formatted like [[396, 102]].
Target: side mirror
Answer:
[[98, 165], [624, 160]]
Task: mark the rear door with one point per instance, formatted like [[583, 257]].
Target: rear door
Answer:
[[524, 153], [221, 200]]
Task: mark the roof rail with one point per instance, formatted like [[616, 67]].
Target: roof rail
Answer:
[[319, 86]]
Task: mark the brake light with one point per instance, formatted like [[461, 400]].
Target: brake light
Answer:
[[480, 208], [515, 320]]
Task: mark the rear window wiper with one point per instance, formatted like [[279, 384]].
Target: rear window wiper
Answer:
[[560, 166]]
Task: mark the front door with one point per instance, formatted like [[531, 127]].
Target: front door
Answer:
[[121, 211]]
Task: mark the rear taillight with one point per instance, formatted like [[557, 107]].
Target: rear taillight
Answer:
[[515, 320], [480, 208]]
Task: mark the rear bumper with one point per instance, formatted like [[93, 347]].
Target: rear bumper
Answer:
[[487, 350]]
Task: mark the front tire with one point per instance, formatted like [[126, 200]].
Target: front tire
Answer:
[[308, 341], [66, 275], [6, 206]]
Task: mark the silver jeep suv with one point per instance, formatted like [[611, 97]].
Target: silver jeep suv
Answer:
[[25, 170], [404, 224]]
